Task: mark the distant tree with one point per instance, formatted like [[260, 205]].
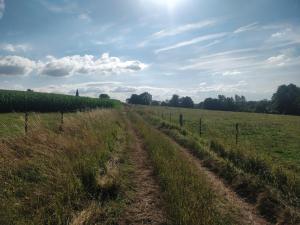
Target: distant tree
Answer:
[[200, 105], [77, 93], [286, 100], [142, 99], [29, 90], [263, 106], [164, 103], [104, 96], [146, 98], [155, 103], [211, 103], [186, 102], [174, 101], [134, 99]]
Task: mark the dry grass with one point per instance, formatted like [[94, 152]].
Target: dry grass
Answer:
[[48, 176]]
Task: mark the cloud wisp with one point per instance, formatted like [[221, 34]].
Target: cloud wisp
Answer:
[[192, 42], [178, 30], [242, 29], [248, 27], [69, 65]]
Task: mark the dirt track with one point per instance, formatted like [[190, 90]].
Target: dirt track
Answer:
[[242, 211], [146, 206]]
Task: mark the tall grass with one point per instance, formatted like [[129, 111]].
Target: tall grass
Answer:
[[49, 177], [250, 177], [188, 195]]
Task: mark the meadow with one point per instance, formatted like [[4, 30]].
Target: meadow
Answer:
[[83, 173], [275, 137], [254, 167]]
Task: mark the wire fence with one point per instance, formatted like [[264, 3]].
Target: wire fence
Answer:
[[13, 125]]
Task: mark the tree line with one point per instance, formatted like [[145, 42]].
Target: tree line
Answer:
[[286, 100], [23, 101]]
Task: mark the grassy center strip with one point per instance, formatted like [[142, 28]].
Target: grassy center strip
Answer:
[[188, 195]]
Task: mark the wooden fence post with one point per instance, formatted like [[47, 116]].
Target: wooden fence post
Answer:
[[26, 122], [236, 133], [181, 120], [200, 127], [61, 121]]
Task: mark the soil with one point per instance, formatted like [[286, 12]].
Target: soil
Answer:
[[146, 207]]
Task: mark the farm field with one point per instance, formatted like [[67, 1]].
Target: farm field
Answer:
[[259, 176], [274, 137], [105, 166]]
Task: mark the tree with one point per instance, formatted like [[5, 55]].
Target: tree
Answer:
[[155, 103], [77, 93], [142, 99], [174, 101], [186, 102], [145, 98], [104, 96], [263, 106], [286, 99]]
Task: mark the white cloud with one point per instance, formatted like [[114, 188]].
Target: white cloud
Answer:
[[290, 35], [124, 89], [178, 30], [15, 65], [88, 64], [283, 60], [278, 35], [277, 60], [248, 27], [231, 73], [191, 42], [69, 65], [15, 47], [223, 88], [2, 8]]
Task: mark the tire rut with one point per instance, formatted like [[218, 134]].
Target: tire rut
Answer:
[[146, 206], [246, 213]]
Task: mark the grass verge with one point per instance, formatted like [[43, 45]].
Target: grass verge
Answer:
[[70, 177]]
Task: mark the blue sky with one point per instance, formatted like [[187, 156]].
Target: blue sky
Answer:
[[188, 47]]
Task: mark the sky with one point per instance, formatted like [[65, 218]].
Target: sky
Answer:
[[194, 48]]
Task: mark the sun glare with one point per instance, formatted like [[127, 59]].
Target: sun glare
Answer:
[[169, 4]]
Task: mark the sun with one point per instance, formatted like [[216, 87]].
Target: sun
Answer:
[[168, 4]]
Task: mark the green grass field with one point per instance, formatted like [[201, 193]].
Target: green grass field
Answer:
[[262, 168], [12, 124], [274, 137]]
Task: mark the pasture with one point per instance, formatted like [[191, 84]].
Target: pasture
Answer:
[[88, 171], [274, 137]]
